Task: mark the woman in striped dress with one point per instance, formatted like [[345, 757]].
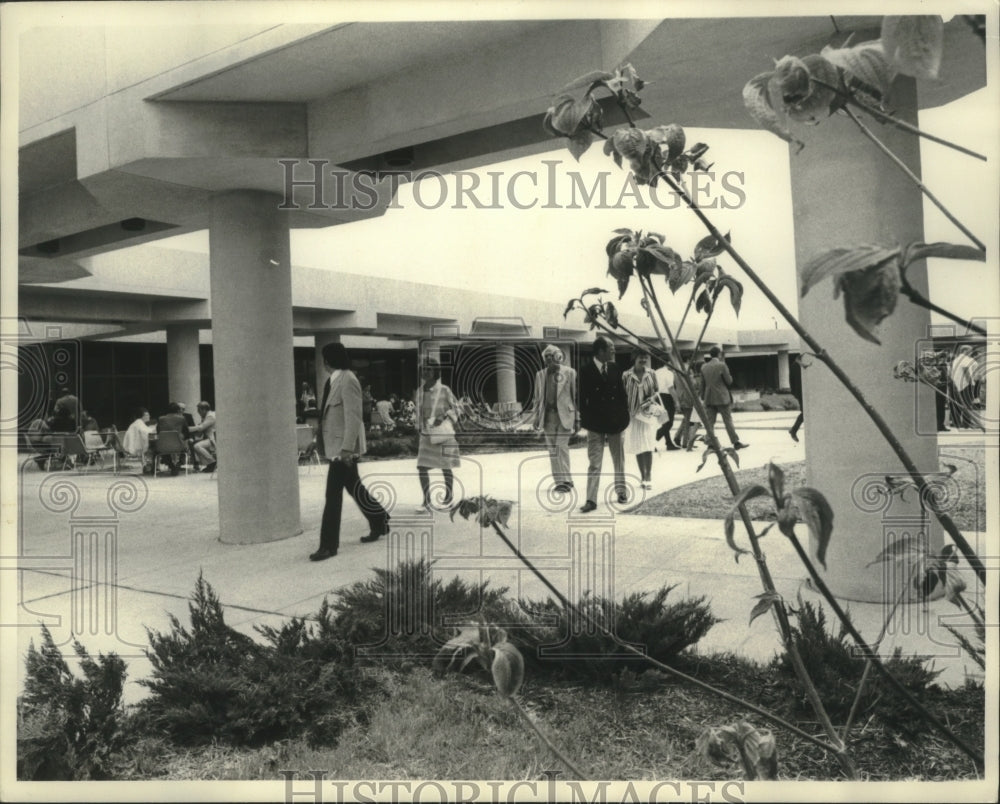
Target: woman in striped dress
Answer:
[[640, 437]]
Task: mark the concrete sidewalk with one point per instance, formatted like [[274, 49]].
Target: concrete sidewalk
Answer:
[[102, 558]]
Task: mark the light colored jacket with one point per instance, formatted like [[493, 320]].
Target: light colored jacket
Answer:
[[205, 428], [565, 397], [340, 421]]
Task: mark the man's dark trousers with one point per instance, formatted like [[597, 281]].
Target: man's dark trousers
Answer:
[[343, 476]]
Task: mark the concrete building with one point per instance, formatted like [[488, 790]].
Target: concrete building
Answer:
[[139, 134]]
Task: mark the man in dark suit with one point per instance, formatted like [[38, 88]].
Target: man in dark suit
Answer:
[[340, 439], [604, 415], [716, 394], [173, 419]]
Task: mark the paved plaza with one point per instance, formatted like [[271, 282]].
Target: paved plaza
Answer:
[[103, 557]]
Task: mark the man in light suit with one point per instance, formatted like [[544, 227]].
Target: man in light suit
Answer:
[[604, 415], [716, 394], [340, 439], [556, 413]]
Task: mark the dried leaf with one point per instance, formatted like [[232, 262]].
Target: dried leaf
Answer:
[[913, 44], [507, 669], [870, 296], [729, 525], [815, 511], [595, 76], [756, 99], [776, 479], [735, 288], [840, 260], [710, 246], [951, 251], [579, 143], [680, 275], [764, 602], [817, 98], [866, 62], [908, 547]]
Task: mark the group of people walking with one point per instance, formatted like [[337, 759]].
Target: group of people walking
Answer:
[[623, 412]]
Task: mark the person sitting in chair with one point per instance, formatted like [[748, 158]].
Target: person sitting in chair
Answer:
[[203, 443], [173, 420]]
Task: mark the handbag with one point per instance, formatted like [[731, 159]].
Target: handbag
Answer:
[[650, 413], [439, 433]]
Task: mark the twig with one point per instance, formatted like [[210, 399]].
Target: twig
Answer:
[[913, 177], [658, 664], [953, 738], [881, 116], [855, 704], [577, 774], [821, 354], [914, 295]]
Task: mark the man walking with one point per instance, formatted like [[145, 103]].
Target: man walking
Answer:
[[604, 415], [556, 413], [340, 439], [717, 396]]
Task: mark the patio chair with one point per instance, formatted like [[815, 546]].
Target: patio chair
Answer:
[[119, 454], [170, 442], [306, 446], [84, 455]]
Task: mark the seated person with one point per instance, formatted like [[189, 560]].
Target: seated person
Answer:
[[136, 440], [39, 439], [203, 442], [173, 420], [311, 417], [88, 422], [384, 410], [63, 418]]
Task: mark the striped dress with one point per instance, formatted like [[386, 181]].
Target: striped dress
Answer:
[[639, 436]]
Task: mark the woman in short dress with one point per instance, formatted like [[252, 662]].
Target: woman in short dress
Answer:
[[435, 404], [640, 436]]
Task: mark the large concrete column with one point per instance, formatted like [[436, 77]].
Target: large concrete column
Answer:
[[845, 192], [322, 339], [183, 365], [254, 373], [784, 379], [506, 379]]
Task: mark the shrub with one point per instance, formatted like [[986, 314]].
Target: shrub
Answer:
[[69, 728], [391, 446], [403, 611], [836, 672], [213, 683], [419, 606], [643, 620]]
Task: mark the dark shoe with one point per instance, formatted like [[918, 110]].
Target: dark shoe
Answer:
[[741, 445], [376, 533], [588, 506], [209, 467], [563, 487], [322, 554], [622, 498], [794, 435], [671, 447], [944, 430]]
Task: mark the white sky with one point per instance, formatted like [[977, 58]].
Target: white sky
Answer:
[[553, 254]]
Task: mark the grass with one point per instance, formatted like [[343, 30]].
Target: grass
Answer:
[[644, 728], [711, 498]]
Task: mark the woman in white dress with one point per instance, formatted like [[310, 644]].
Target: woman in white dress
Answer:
[[640, 436], [436, 404]]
